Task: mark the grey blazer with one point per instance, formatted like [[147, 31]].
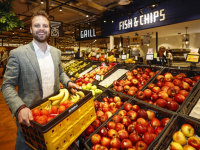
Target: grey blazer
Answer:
[[23, 71]]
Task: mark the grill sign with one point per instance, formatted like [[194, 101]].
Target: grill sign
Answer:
[[88, 33]]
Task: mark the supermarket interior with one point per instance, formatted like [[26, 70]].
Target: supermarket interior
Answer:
[[135, 66]]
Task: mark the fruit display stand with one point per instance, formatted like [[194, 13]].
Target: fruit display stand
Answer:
[[167, 137], [192, 107], [158, 112], [101, 99], [142, 67], [174, 74], [64, 129]]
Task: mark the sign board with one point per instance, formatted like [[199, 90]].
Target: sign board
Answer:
[[135, 40], [123, 56], [150, 51], [88, 33], [97, 56], [149, 56], [146, 39], [194, 51], [192, 58], [56, 29], [105, 55], [98, 77]]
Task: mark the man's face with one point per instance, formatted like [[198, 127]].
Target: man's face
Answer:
[[161, 51], [40, 28]]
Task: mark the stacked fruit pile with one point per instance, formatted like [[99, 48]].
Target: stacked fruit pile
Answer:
[[104, 110], [169, 91], [90, 77], [55, 105], [185, 138], [133, 128], [93, 88], [135, 80]]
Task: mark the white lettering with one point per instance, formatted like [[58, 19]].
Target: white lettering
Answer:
[[125, 24], [156, 15], [88, 33], [162, 14], [151, 17], [141, 19], [82, 36], [94, 34], [129, 23], [135, 22], [120, 25], [85, 33], [146, 19]]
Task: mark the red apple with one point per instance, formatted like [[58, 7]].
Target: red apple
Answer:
[[147, 93], [142, 121], [89, 130], [128, 82], [193, 83], [196, 78], [131, 128], [110, 100], [140, 145], [102, 148], [119, 104], [105, 109], [122, 113], [147, 138], [187, 130], [141, 129], [134, 82], [162, 103], [108, 113], [136, 108], [120, 89], [158, 130], [177, 82], [117, 119], [126, 88], [147, 71], [134, 138], [112, 133], [135, 72], [126, 144], [184, 93], [169, 84], [113, 104], [179, 98], [160, 77], [164, 122], [131, 92], [162, 95], [117, 99], [129, 73], [172, 105], [132, 115], [105, 141], [142, 114], [156, 90], [115, 83], [160, 84], [140, 95], [119, 126], [183, 75], [164, 88], [151, 86], [96, 123], [115, 143], [110, 125], [126, 121], [179, 76], [194, 142], [105, 104], [122, 134], [150, 114], [133, 88], [96, 139], [103, 118], [155, 122], [128, 107], [113, 109], [138, 76], [150, 129], [167, 80], [121, 83], [184, 86], [105, 99], [154, 97], [103, 131]]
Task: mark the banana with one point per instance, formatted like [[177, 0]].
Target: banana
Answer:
[[56, 102], [66, 97], [58, 97], [48, 107], [81, 94], [75, 98]]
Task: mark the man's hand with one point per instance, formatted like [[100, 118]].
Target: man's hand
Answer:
[[24, 116], [73, 86]]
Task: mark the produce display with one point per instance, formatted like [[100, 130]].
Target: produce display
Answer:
[[87, 70], [67, 63], [168, 91], [67, 57], [132, 128], [185, 139], [55, 105], [93, 88], [134, 81]]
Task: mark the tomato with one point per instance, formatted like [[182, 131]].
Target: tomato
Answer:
[[49, 118], [44, 112], [36, 112], [41, 120], [54, 110], [61, 109]]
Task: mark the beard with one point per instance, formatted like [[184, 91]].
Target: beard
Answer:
[[40, 38]]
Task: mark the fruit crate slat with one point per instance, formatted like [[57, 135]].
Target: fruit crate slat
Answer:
[[174, 71], [165, 140], [160, 113], [56, 132], [106, 93], [191, 105]]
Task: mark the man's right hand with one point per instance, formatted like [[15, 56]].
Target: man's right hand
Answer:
[[24, 116]]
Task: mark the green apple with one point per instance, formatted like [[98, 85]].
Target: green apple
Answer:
[[93, 93], [88, 86], [84, 87], [98, 91], [94, 87]]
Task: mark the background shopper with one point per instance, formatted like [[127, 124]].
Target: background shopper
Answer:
[[169, 57], [37, 71], [161, 58]]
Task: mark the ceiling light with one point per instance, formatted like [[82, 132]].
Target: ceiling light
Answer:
[[104, 21], [60, 8], [87, 16], [186, 39], [112, 21], [123, 2], [141, 12], [42, 1]]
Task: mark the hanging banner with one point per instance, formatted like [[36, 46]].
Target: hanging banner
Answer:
[[135, 40], [56, 29]]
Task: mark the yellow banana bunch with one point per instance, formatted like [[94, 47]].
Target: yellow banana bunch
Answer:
[[74, 98], [81, 94], [58, 97], [56, 102], [66, 96], [48, 106]]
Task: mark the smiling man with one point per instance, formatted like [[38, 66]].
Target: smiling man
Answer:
[[37, 71]]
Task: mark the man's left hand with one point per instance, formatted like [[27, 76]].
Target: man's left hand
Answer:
[[73, 86]]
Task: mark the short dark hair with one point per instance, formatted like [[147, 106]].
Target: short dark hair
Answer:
[[39, 13]]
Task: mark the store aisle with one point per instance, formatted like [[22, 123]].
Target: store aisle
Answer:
[[7, 126]]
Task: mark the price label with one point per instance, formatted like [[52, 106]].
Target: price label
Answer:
[[158, 59], [149, 56], [123, 56], [136, 57], [98, 77], [150, 51], [192, 58], [97, 56], [103, 64], [179, 67], [165, 60], [102, 77], [105, 56]]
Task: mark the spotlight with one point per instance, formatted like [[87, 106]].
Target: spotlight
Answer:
[[13, 32], [60, 8], [104, 21], [87, 16], [153, 6], [112, 21], [141, 12], [42, 1]]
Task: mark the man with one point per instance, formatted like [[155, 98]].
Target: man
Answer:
[[161, 58], [37, 71], [77, 54]]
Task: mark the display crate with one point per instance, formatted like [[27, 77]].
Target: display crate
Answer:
[[80, 70], [174, 72], [62, 130], [191, 108], [166, 138], [154, 69], [160, 114], [106, 93]]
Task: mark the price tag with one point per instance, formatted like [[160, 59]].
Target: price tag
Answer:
[[165, 60], [179, 67], [158, 59], [192, 58], [105, 56], [149, 56], [102, 77], [71, 73], [136, 57], [98, 77], [127, 56], [154, 55], [161, 60], [103, 64], [97, 56], [150, 51], [123, 56]]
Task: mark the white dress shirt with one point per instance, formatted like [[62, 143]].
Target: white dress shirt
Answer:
[[46, 68]]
